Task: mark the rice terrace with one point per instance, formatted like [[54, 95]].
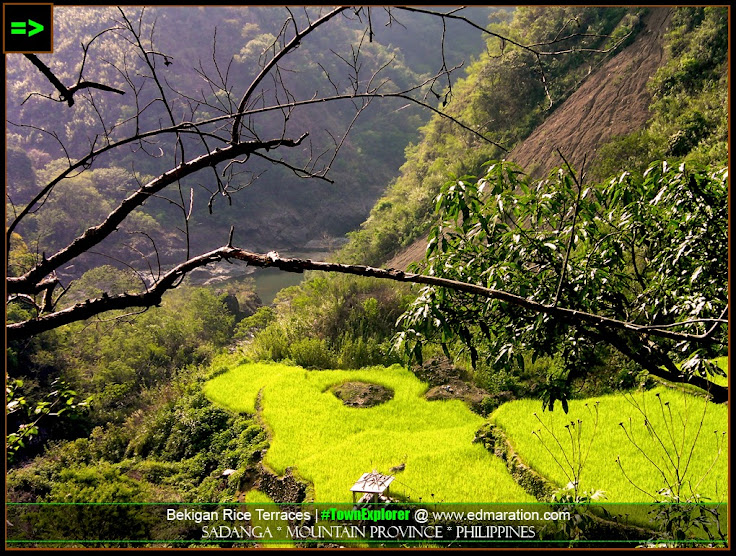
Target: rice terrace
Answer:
[[329, 444], [368, 276]]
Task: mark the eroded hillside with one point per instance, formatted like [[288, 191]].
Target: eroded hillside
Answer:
[[613, 100]]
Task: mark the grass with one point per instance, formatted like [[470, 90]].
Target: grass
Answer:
[[675, 424], [257, 499], [331, 445]]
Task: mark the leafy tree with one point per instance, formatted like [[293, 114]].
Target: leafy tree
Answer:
[[105, 278], [634, 263], [24, 417], [20, 259], [63, 383]]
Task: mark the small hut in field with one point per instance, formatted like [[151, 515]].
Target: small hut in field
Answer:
[[374, 488]]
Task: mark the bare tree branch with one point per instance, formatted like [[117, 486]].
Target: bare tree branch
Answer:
[[294, 43], [67, 93], [300, 265], [95, 234], [572, 226]]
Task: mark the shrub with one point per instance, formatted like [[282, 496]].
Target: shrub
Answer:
[[313, 353], [109, 443], [257, 321], [271, 343], [497, 380]]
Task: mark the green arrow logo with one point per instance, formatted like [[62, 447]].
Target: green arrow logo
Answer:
[[19, 28]]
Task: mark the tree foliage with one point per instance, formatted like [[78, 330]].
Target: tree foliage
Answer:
[[646, 251], [24, 417]]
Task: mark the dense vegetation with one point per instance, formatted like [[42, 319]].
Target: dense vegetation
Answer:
[[136, 423], [125, 363], [327, 323]]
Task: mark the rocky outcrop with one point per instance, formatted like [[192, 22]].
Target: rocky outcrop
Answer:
[[362, 394], [286, 489], [456, 389]]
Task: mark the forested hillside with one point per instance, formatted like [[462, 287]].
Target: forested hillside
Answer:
[[563, 223], [207, 54]]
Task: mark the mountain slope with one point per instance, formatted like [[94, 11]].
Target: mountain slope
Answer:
[[274, 208], [612, 101]]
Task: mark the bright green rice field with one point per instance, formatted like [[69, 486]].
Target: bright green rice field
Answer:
[[676, 425], [331, 445]]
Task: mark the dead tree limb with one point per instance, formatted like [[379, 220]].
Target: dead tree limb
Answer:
[[300, 265], [67, 93], [153, 296], [27, 283]]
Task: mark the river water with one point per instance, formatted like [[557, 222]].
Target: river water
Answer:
[[267, 281]]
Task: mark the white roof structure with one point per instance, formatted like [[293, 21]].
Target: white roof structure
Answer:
[[374, 483]]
